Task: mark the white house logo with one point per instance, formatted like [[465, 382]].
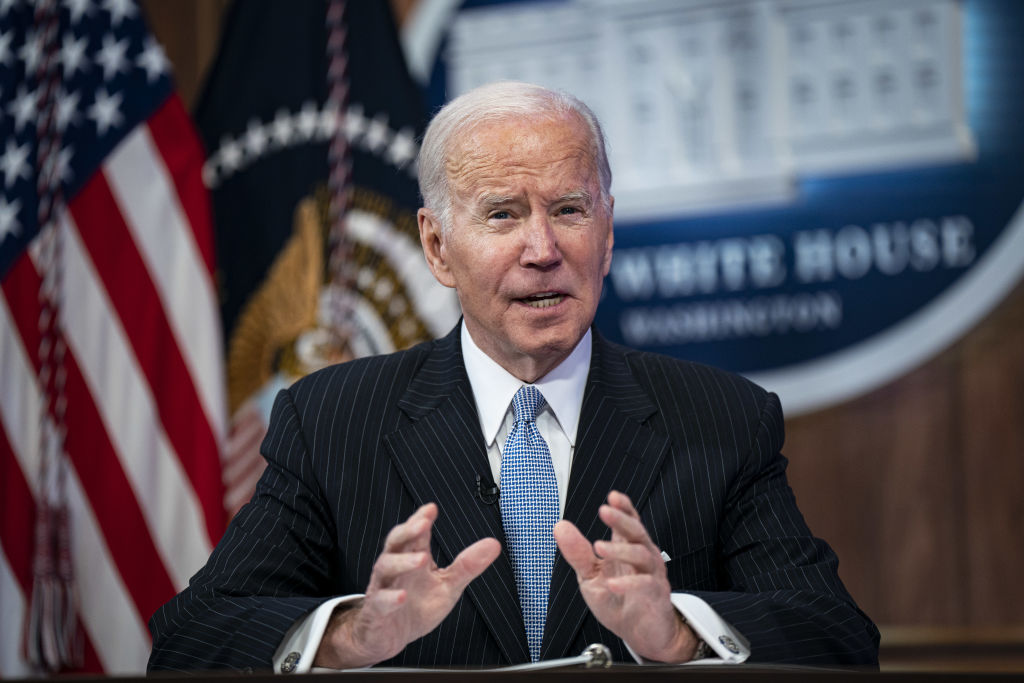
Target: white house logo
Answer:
[[817, 194]]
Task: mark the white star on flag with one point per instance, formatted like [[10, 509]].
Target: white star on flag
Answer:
[[14, 163], [64, 172], [378, 133], [119, 10], [23, 108], [78, 8], [9, 224], [306, 121], [153, 60], [255, 139], [231, 155], [210, 179], [67, 109], [5, 47], [31, 51], [112, 56], [328, 123], [403, 148], [105, 111], [355, 123], [72, 54], [281, 130]]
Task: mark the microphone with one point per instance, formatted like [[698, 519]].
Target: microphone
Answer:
[[486, 491]]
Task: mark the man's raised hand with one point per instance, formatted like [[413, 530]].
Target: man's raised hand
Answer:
[[408, 596], [624, 583]]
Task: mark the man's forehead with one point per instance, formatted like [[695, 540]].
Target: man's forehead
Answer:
[[493, 152], [494, 185]]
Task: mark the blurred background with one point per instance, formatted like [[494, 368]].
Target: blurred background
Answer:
[[824, 195]]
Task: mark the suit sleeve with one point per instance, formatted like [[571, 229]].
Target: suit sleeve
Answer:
[[781, 586], [273, 566]]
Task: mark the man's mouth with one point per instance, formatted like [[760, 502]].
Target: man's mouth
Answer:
[[543, 300]]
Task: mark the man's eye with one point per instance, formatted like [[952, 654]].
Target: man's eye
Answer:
[[501, 215], [568, 210]]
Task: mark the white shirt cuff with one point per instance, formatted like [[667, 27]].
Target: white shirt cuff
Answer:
[[728, 645], [298, 648]]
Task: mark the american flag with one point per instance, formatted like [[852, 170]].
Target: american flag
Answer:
[[110, 349]]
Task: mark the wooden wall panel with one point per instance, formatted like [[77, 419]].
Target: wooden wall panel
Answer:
[[876, 477], [993, 465], [939, 455]]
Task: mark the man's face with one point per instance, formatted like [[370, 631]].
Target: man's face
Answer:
[[530, 240]]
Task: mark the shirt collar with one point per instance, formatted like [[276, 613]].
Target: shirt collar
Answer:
[[493, 387]]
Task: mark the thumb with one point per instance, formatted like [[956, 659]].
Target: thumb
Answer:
[[576, 549], [472, 561]]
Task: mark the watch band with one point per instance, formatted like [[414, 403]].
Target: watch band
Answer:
[[703, 651]]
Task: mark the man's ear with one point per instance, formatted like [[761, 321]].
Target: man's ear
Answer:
[[607, 264], [432, 241]]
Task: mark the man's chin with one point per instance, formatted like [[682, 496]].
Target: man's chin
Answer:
[[549, 347]]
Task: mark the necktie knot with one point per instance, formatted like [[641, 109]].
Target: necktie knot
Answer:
[[527, 402]]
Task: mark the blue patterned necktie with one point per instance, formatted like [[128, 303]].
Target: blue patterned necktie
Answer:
[[529, 510]]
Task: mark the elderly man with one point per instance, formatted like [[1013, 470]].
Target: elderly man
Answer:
[[640, 501]]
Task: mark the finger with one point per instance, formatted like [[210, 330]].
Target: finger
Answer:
[[621, 501], [623, 525], [390, 566], [413, 533], [576, 549], [639, 556], [472, 562], [638, 584]]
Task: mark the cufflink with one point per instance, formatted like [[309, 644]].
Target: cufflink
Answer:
[[290, 662], [729, 644]]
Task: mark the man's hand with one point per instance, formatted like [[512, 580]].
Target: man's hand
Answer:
[[407, 598], [624, 583]]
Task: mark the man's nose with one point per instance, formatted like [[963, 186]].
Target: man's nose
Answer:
[[540, 246]]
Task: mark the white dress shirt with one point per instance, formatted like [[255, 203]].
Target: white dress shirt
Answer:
[[562, 389], [493, 389]]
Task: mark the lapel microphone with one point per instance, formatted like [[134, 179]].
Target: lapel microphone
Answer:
[[487, 491]]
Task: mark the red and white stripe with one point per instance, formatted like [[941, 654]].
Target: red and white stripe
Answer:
[[339, 156], [145, 411]]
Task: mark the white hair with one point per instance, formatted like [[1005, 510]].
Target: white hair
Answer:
[[496, 102]]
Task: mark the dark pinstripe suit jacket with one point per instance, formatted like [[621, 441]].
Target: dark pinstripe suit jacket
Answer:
[[355, 448]]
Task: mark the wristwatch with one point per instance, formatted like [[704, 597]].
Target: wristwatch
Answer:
[[704, 651]]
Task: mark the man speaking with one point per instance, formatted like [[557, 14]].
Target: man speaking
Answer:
[[520, 488]]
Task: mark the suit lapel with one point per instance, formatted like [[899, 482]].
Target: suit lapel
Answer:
[[439, 456], [614, 450]]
